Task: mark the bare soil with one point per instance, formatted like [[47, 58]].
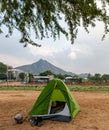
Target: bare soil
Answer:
[[94, 114]]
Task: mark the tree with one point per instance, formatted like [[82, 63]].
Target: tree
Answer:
[[89, 77], [22, 76], [3, 76], [30, 77], [96, 78], [46, 73], [60, 76], [3, 68], [105, 78], [44, 17]]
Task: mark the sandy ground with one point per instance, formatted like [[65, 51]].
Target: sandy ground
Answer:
[[94, 114]]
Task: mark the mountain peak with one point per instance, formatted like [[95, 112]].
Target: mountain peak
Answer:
[[41, 60], [41, 66]]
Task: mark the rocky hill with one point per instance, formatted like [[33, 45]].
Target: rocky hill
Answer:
[[41, 66]]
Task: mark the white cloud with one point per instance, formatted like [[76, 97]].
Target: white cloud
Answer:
[[41, 51], [72, 55], [13, 61]]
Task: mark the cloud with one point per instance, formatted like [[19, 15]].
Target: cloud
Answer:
[[72, 55], [13, 60], [87, 54], [13, 53], [41, 51]]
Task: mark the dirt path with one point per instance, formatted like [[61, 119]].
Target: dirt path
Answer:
[[94, 114]]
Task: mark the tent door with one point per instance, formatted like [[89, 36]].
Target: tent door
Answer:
[[59, 107]]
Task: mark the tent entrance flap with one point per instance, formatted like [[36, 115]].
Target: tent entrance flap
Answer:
[[57, 106]]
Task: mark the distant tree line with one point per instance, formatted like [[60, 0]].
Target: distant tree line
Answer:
[[96, 78], [49, 72]]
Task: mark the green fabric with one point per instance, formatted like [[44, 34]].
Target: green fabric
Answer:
[[60, 96], [55, 90]]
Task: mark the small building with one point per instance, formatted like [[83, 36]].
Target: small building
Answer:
[[42, 79], [73, 80], [13, 74]]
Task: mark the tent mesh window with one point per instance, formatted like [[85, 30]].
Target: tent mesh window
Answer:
[[57, 106]]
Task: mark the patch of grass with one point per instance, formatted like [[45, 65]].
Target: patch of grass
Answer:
[[34, 88], [89, 88], [72, 88]]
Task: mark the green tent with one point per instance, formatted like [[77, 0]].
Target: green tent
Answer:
[[56, 102]]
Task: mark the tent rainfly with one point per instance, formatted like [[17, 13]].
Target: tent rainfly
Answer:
[[55, 102]]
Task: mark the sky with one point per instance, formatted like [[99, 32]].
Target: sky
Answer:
[[88, 54]]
